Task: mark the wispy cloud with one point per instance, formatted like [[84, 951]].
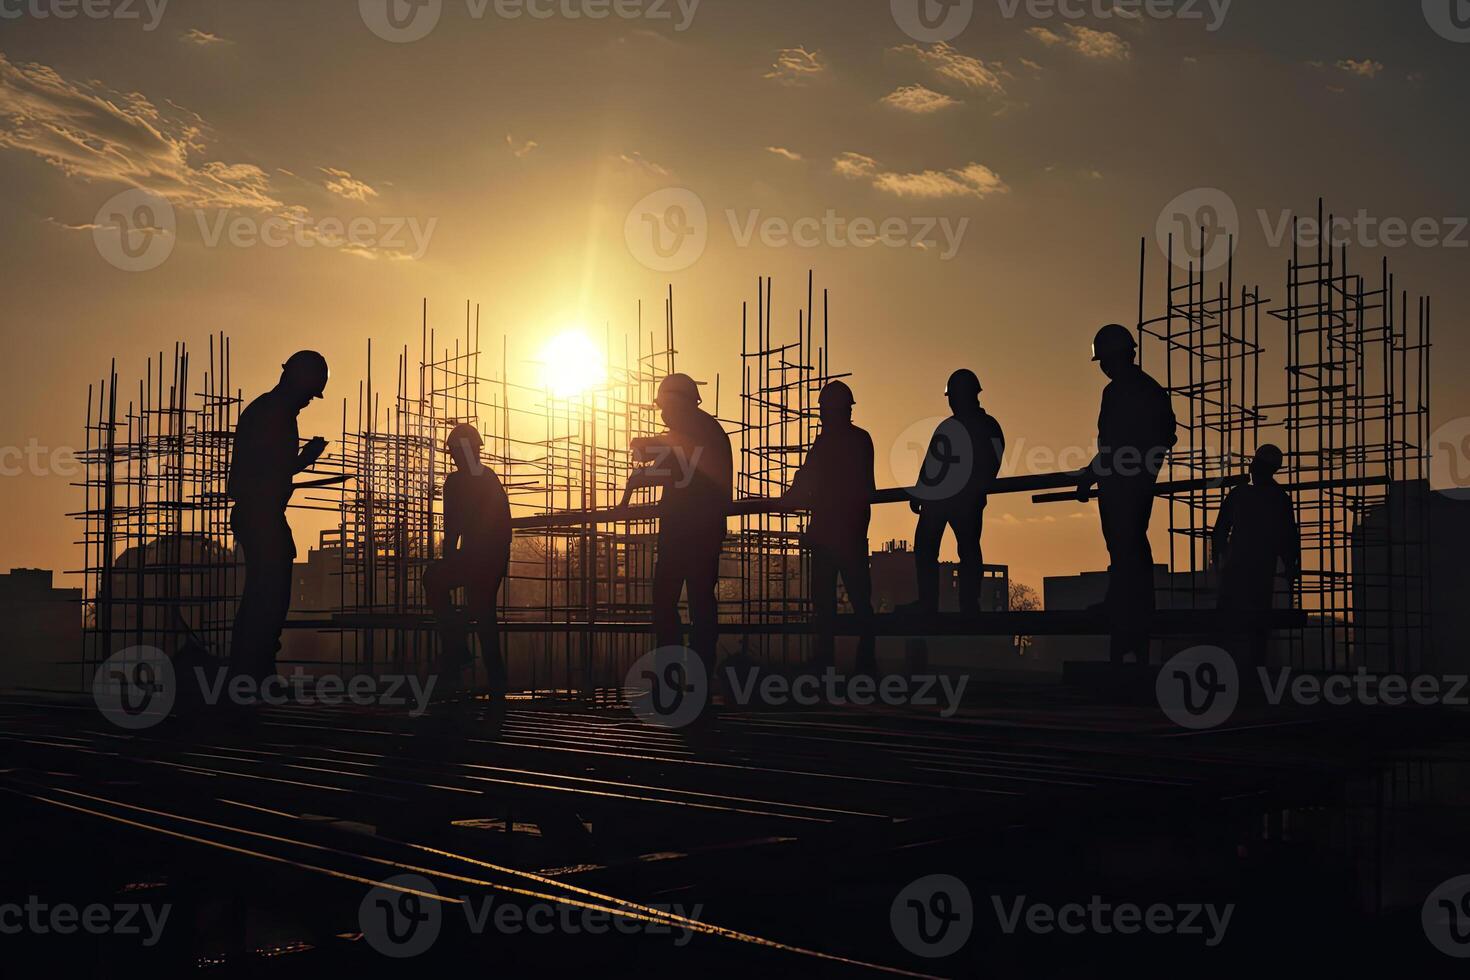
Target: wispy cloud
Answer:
[[796, 66], [638, 161], [961, 69], [919, 100], [1100, 45], [1367, 68], [973, 180], [521, 150], [202, 39], [343, 184], [784, 153]]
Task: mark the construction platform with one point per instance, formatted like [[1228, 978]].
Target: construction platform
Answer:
[[784, 836]]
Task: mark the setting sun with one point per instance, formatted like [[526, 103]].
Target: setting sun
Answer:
[[571, 364]]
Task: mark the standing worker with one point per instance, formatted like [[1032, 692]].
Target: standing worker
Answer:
[[693, 465], [1135, 432], [836, 484], [476, 558], [267, 456], [962, 461], [1256, 529]]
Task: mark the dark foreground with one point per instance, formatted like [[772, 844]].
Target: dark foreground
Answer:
[[783, 839]]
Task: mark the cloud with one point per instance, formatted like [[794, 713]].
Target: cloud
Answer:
[[202, 39], [972, 180], [854, 166], [919, 100], [961, 69], [1367, 68], [784, 153], [796, 66], [1089, 43], [343, 184], [636, 159], [521, 150]]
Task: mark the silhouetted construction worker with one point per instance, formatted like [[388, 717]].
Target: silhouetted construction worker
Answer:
[[836, 484], [267, 456], [1135, 432], [1256, 528], [693, 465], [476, 558], [962, 461]]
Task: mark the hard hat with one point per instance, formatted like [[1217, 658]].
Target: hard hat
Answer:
[[678, 386], [1270, 457], [464, 435], [963, 383], [837, 394], [306, 370], [1113, 339]]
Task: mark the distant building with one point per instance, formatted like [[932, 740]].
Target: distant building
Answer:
[[894, 582], [40, 631]]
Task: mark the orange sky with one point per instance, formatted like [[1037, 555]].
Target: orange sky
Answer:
[[498, 160]]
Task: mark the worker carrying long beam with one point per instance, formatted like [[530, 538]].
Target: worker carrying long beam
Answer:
[[961, 463], [476, 558], [1135, 431], [835, 483], [694, 467]]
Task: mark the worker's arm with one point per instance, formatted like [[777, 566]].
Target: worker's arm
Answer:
[[1291, 545], [653, 451], [803, 484], [310, 453], [1090, 475], [453, 520], [1220, 536]]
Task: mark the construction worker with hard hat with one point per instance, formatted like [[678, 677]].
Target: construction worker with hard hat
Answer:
[[693, 466], [267, 455], [1135, 431], [835, 483], [477, 537], [962, 461]]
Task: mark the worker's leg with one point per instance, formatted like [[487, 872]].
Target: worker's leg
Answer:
[[858, 578], [704, 607], [968, 525], [927, 537], [441, 578], [481, 594], [266, 597], [824, 605], [1126, 505], [668, 583]]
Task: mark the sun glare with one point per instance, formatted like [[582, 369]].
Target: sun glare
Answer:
[[571, 364]]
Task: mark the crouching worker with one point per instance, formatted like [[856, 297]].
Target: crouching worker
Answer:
[[476, 558]]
